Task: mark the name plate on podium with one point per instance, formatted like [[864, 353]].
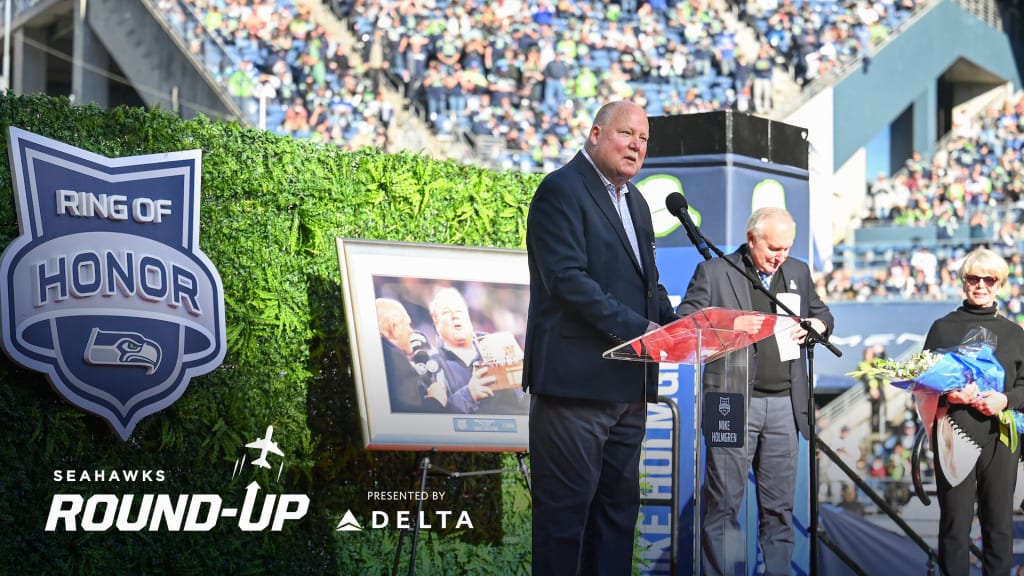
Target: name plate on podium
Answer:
[[724, 423]]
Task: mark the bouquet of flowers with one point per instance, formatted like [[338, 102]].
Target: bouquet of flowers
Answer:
[[904, 374], [937, 372], [931, 374]]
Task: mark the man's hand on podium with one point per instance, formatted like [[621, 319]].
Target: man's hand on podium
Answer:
[[749, 324]]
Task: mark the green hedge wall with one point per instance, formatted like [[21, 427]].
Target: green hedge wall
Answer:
[[271, 210]]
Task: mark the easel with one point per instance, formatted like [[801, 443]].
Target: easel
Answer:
[[426, 468]]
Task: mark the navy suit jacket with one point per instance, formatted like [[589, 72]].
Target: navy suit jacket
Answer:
[[715, 283], [588, 293]]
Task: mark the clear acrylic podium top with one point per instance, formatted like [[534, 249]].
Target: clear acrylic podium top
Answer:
[[702, 337]]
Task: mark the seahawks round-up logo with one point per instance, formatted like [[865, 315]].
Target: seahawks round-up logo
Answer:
[[105, 290]]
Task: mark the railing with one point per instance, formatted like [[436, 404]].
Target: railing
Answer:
[[986, 10], [215, 59], [21, 6], [844, 404], [882, 505]]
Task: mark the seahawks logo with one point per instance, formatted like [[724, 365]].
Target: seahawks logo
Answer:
[[122, 349]]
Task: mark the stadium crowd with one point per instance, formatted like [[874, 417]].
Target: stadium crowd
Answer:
[[287, 73], [883, 461], [529, 73], [526, 74], [969, 192]]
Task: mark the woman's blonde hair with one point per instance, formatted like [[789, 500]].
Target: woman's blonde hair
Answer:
[[985, 260]]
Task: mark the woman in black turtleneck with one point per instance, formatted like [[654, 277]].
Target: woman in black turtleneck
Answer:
[[985, 466]]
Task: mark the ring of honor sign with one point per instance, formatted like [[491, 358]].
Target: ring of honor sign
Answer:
[[105, 290]]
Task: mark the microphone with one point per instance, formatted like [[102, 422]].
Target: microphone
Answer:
[[677, 206], [421, 358]]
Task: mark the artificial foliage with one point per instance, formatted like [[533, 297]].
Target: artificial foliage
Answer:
[[271, 210]]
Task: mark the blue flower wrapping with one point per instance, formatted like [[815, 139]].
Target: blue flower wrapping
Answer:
[[959, 367]]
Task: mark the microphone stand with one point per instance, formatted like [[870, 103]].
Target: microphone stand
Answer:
[[813, 337]]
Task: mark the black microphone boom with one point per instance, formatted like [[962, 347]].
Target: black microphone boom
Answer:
[[677, 206]]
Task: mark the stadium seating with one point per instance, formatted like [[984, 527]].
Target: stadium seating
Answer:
[[289, 74], [678, 56], [967, 195]]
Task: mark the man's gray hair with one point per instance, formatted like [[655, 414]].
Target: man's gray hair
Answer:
[[756, 222]]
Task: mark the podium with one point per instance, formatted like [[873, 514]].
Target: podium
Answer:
[[714, 342]]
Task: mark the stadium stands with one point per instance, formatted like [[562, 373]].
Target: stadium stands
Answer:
[[291, 76], [968, 194], [493, 74], [816, 36], [521, 80]]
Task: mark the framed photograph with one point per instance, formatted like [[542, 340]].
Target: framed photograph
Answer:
[[437, 336]]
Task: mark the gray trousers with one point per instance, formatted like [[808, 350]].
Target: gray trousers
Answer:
[[585, 475], [772, 450]]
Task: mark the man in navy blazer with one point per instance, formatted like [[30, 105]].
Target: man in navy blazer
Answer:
[[777, 392], [593, 285]]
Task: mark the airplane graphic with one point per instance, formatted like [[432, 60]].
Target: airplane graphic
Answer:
[[265, 445]]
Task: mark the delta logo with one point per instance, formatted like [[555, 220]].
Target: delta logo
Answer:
[[105, 290], [406, 520], [182, 512]]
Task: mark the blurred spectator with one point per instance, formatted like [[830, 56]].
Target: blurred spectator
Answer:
[[878, 469], [925, 262], [555, 74], [847, 447], [908, 435], [874, 388], [979, 229], [762, 72], [849, 502], [897, 491]]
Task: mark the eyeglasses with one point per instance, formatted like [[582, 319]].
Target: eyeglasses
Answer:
[[973, 280]]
